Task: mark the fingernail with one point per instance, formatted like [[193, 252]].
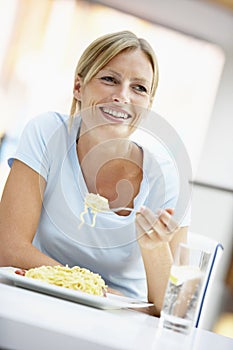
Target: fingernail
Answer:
[[142, 209]]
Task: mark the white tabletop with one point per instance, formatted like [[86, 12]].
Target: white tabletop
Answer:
[[31, 320]]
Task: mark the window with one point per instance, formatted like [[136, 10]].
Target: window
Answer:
[[43, 41]]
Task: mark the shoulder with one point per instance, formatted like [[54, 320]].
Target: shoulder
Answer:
[[169, 184], [49, 120], [161, 175], [157, 162], [46, 126]]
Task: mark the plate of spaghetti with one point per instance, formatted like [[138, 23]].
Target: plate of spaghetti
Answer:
[[74, 284]]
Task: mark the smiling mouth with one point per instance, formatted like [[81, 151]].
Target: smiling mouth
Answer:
[[116, 114]]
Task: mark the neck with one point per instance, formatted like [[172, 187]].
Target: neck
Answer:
[[92, 146]]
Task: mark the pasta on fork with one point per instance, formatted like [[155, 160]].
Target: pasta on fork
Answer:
[[96, 204]]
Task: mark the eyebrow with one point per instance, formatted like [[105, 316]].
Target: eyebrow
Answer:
[[142, 80]]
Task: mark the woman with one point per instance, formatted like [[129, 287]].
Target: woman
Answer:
[[60, 160]]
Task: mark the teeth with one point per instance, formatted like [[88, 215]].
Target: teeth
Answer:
[[115, 113]]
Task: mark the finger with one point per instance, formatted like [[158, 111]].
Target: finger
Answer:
[[156, 225], [146, 234], [168, 221], [147, 216], [150, 222], [145, 229], [150, 219], [142, 227], [162, 231], [170, 211], [150, 225]]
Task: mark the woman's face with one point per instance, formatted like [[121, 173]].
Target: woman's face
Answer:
[[118, 94]]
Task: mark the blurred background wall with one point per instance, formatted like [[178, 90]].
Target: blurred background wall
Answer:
[[41, 41]]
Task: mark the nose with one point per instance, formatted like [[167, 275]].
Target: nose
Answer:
[[122, 95]]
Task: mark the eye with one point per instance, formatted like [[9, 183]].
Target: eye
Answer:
[[140, 88], [108, 79]]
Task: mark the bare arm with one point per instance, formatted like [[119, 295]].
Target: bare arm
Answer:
[[157, 251], [20, 210]]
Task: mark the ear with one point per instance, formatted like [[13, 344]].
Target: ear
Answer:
[[77, 88]]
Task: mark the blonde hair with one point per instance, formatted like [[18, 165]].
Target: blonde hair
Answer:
[[102, 50]]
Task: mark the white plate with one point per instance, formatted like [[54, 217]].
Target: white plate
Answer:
[[110, 302]]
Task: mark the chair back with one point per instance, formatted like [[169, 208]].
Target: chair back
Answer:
[[215, 249]]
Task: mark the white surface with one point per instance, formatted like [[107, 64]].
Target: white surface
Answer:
[[31, 320], [198, 19], [111, 301]]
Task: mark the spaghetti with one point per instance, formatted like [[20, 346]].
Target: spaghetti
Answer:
[[76, 278]]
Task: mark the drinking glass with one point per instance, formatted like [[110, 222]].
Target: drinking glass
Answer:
[[184, 289]]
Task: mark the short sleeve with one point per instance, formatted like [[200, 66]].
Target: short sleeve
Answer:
[[178, 194], [168, 188], [33, 145]]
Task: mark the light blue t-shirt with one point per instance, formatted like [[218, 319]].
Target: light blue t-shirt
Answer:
[[110, 248]]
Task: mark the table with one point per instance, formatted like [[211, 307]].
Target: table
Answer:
[[31, 320]]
